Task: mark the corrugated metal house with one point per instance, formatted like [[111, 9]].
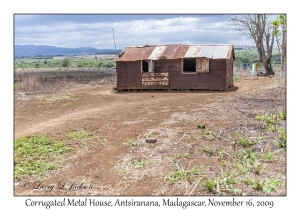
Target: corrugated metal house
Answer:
[[175, 67]]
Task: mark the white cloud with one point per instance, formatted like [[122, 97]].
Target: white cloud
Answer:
[[129, 32]]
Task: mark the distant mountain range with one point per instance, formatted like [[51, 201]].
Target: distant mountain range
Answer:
[[42, 50]]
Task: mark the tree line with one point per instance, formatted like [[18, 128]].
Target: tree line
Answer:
[[250, 56], [66, 62]]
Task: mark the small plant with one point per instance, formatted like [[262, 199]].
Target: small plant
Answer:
[[281, 141], [186, 155], [245, 142], [222, 185], [222, 154], [36, 155], [260, 139], [208, 150], [206, 134], [66, 96], [235, 79], [269, 156], [247, 162], [272, 128], [176, 157], [267, 186], [258, 168], [138, 164], [147, 135], [243, 168], [16, 85], [210, 185], [232, 140], [282, 114], [78, 135], [184, 174], [238, 139], [67, 104], [129, 143], [246, 156], [268, 118]]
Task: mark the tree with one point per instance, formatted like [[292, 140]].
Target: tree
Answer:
[[65, 62], [257, 27], [280, 21]]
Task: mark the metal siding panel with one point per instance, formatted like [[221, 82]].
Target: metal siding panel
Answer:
[[129, 74], [229, 72], [167, 66]]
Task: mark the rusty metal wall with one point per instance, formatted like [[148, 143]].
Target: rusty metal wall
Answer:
[[129, 75], [167, 66], [229, 73], [215, 77]]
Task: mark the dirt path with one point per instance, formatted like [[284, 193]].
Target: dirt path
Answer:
[[103, 160], [122, 101]]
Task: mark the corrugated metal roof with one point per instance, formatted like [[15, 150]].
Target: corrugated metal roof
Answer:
[[157, 52], [193, 52], [216, 52], [176, 52], [135, 53], [180, 51], [169, 52]]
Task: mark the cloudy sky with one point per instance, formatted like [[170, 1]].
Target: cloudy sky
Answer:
[[129, 30]]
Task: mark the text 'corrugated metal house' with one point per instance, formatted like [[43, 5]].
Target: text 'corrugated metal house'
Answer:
[[175, 67]]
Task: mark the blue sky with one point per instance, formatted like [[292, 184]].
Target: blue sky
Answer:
[[95, 30]]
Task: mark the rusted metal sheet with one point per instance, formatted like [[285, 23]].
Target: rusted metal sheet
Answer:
[[135, 53], [193, 52], [229, 72], [155, 79], [176, 52], [214, 51], [157, 52], [169, 52], [180, 51], [129, 73]]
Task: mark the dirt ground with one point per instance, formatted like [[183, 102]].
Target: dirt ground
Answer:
[[103, 163]]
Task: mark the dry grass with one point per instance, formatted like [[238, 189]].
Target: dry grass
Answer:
[[39, 82]]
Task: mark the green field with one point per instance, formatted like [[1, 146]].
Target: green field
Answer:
[[58, 62]]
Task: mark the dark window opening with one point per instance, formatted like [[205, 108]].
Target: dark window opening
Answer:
[[189, 65], [145, 66]]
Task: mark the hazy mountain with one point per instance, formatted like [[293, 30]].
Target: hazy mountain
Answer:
[[32, 50]]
